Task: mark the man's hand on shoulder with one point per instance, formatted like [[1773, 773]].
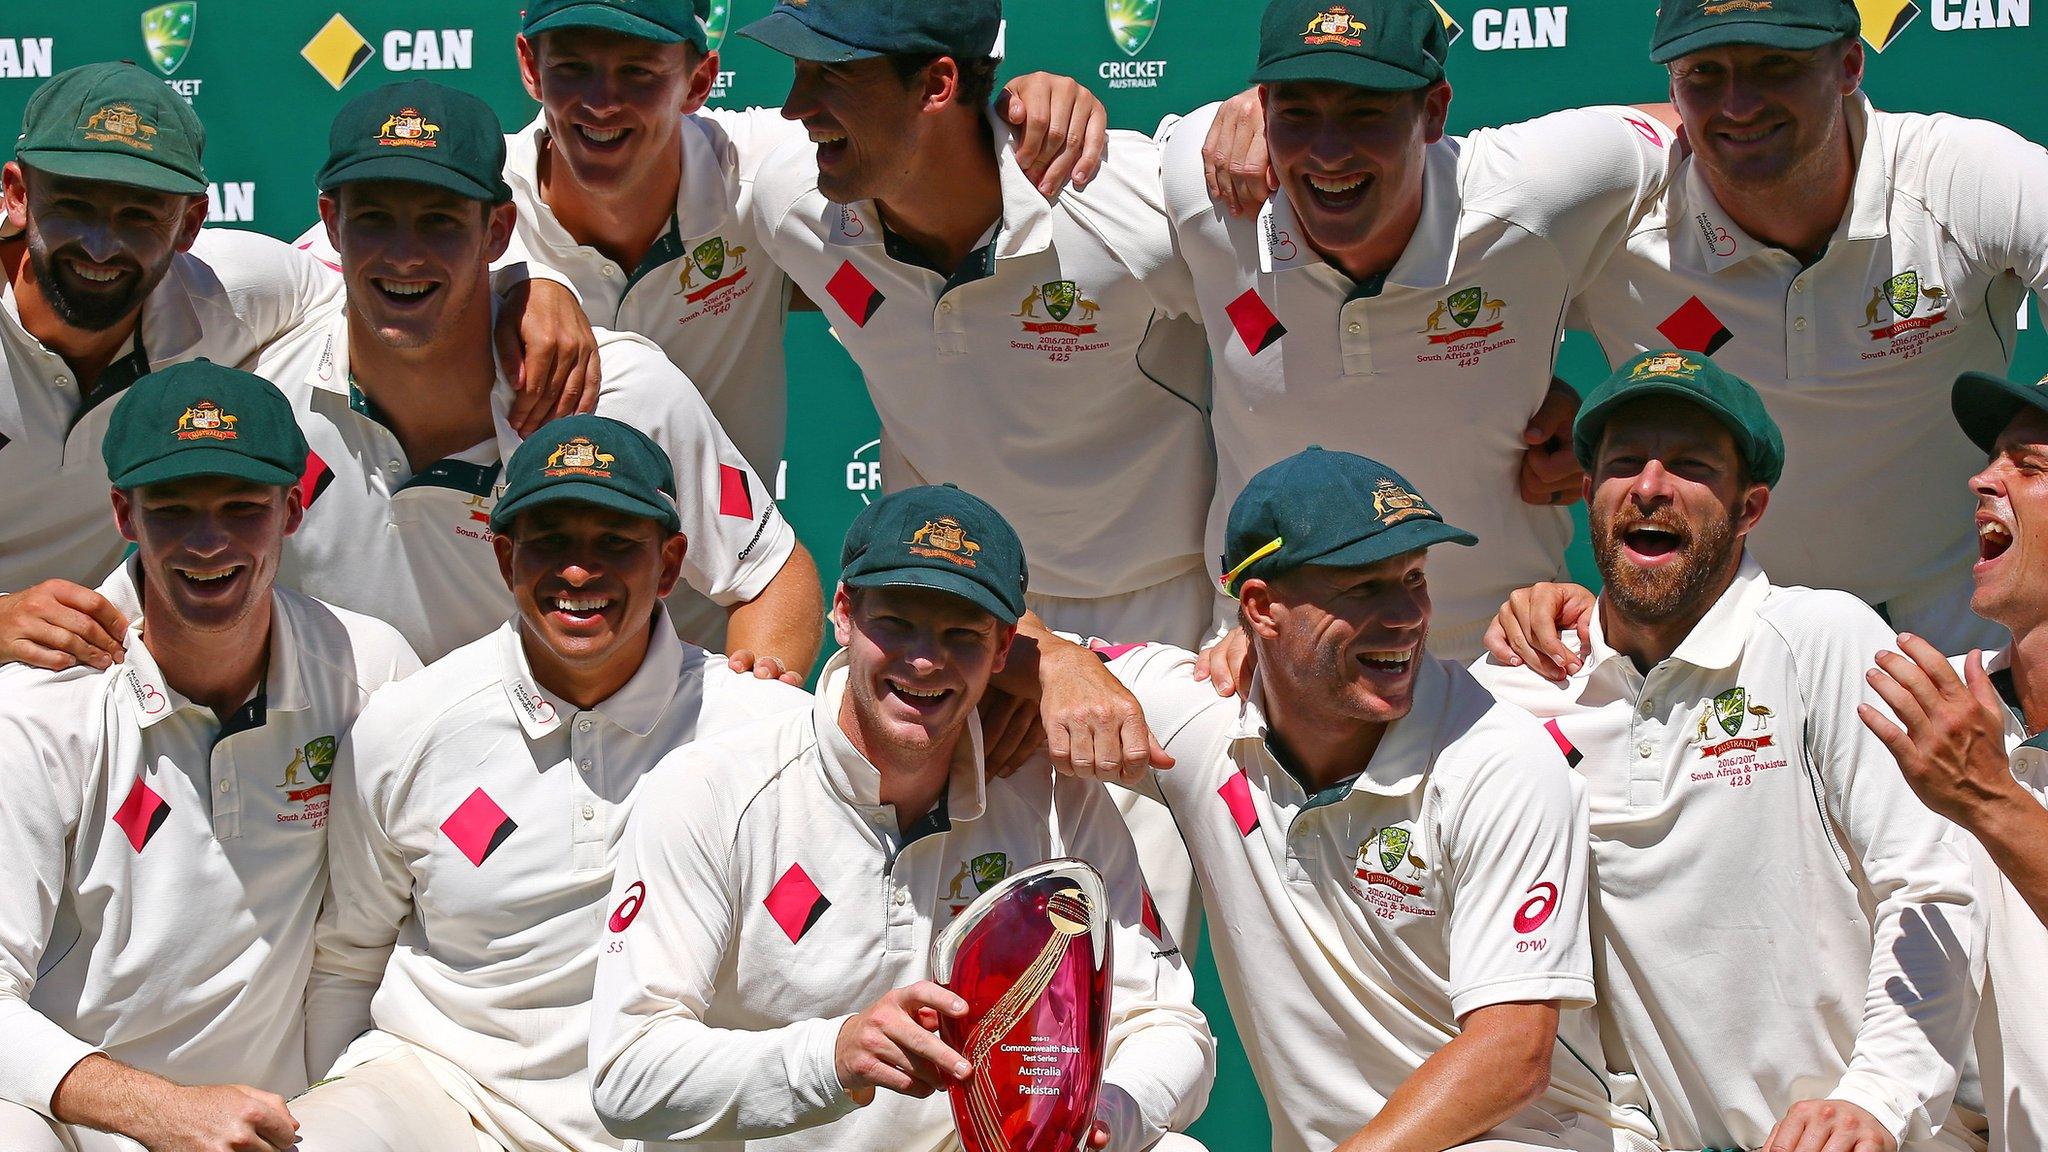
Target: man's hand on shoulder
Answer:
[[545, 340], [1094, 726], [1829, 1126], [1061, 130], [59, 625], [1234, 161], [1528, 630], [1227, 664], [1550, 469]]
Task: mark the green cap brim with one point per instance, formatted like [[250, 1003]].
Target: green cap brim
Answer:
[[1985, 405], [1401, 538], [412, 170], [204, 462], [952, 583], [114, 168], [611, 19], [1756, 32], [507, 511], [782, 31], [1342, 68]]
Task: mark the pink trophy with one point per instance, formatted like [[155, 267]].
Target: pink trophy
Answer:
[[1031, 957]]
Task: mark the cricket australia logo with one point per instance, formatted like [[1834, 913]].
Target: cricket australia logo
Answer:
[[1392, 869], [316, 760], [1061, 299], [206, 421], [408, 128], [984, 872], [1732, 711], [1132, 22], [944, 539], [167, 33], [1464, 308], [722, 265], [1894, 306], [715, 23]]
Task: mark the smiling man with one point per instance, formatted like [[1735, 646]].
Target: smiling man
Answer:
[[1737, 804], [480, 812], [1399, 859], [767, 966], [1968, 737], [1848, 262], [405, 405], [1425, 271], [164, 831]]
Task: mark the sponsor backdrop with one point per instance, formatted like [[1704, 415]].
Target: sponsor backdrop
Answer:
[[266, 77]]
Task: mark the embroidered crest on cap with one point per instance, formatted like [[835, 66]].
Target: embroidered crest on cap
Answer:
[[1334, 26], [581, 456], [944, 539], [120, 124], [206, 421], [408, 128]]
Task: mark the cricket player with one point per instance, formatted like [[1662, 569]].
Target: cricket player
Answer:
[[405, 407], [1398, 859], [480, 815], [163, 821], [766, 967], [1848, 262], [1044, 352], [1423, 271], [1737, 804], [1968, 738]]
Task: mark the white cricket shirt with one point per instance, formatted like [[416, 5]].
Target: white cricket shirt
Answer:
[[1767, 883], [706, 292], [1853, 356], [230, 295], [471, 856], [164, 866], [1354, 927], [2012, 1024], [1436, 370], [415, 547], [765, 894], [1047, 374]]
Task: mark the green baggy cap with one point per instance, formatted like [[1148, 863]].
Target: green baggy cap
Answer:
[[1334, 509], [937, 536], [836, 31], [202, 419], [1385, 45], [589, 459], [1668, 372], [113, 122], [420, 132], [662, 21], [1685, 26], [1985, 404]]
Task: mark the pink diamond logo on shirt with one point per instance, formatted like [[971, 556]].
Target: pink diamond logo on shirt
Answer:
[[1148, 913], [1695, 328], [314, 479], [795, 902], [1107, 651], [1255, 323], [1572, 755], [478, 826], [734, 497], [856, 295], [141, 814], [1237, 796]]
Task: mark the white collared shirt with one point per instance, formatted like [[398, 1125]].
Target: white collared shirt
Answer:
[[707, 292], [1767, 882], [227, 297], [163, 866], [2012, 1024], [765, 894], [472, 853], [1435, 372], [1356, 926], [1854, 356], [1047, 375], [415, 548]]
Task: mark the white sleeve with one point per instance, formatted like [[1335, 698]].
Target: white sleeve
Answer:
[[271, 286], [518, 265], [737, 537], [369, 887], [1983, 184], [1580, 178], [1162, 1056], [1515, 841], [658, 1072], [1927, 956], [40, 808], [755, 133], [1162, 678]]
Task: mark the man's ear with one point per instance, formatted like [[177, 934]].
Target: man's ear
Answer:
[[330, 218], [503, 219], [501, 543], [1852, 66], [14, 196], [1436, 110], [672, 552], [1006, 637], [703, 79], [124, 515], [1754, 502], [1255, 606], [189, 224], [842, 616], [941, 84], [529, 65]]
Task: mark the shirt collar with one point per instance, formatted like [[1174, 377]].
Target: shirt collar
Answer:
[[1431, 250], [149, 698], [1413, 740], [1025, 228], [329, 372], [670, 669], [1870, 202], [859, 782]]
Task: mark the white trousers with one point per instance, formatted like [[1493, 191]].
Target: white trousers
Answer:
[[389, 1104], [27, 1130]]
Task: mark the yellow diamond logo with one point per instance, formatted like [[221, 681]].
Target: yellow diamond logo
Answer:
[[1883, 20], [337, 52]]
